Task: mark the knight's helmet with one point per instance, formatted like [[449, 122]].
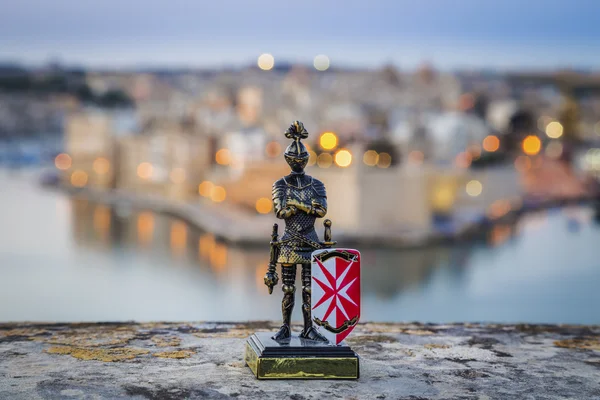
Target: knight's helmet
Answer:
[[296, 154]]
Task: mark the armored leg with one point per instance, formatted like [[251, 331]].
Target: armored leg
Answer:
[[288, 278], [309, 331]]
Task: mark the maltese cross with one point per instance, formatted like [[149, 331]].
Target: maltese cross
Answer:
[[336, 289]]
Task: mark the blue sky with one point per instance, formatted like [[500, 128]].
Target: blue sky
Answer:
[[447, 33]]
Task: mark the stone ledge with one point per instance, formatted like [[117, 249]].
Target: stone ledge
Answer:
[[204, 360]]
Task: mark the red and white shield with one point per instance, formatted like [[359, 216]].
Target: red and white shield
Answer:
[[335, 289]]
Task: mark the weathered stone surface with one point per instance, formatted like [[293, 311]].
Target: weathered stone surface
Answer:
[[204, 360]]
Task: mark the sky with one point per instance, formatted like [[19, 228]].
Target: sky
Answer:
[[504, 34]]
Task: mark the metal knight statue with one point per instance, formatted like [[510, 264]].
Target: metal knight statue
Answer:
[[330, 283], [299, 200]]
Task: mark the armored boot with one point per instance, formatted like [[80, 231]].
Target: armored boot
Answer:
[[288, 277], [309, 332]]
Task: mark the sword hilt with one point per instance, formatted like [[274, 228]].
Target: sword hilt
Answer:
[[328, 242]]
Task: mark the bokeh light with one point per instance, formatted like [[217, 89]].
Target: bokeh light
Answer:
[[312, 158], [385, 160], [144, 170], [79, 178], [474, 188], [328, 140], [63, 161], [101, 166], [206, 244], [178, 236], [532, 145], [443, 196], [223, 157], [491, 143], [343, 158], [205, 188], [145, 227], [218, 194], [266, 62], [321, 62], [370, 158], [324, 160], [264, 205], [554, 130]]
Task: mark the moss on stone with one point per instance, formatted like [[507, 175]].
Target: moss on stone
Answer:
[[105, 355], [166, 341], [175, 354], [584, 343]]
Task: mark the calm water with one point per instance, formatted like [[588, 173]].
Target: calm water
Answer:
[[71, 260]]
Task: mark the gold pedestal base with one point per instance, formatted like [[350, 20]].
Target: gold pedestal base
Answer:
[[299, 359]]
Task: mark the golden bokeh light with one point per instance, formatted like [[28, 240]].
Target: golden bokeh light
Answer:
[[206, 244], [385, 160], [324, 160], [266, 62], [63, 161], [370, 158], [218, 256], [474, 188], [79, 178], [145, 227], [443, 196], [491, 143], [554, 130], [223, 157], [264, 205], [102, 221], [177, 175], [273, 149], [178, 236], [144, 170], [205, 188], [101, 166], [532, 145], [218, 194], [312, 158], [321, 62], [328, 140], [343, 158]]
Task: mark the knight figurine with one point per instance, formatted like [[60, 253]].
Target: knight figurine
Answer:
[[299, 200], [330, 278]]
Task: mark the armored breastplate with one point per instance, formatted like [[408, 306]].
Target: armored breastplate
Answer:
[[300, 187]]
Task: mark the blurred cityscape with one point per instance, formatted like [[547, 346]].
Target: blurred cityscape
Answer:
[[410, 158], [405, 155]]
